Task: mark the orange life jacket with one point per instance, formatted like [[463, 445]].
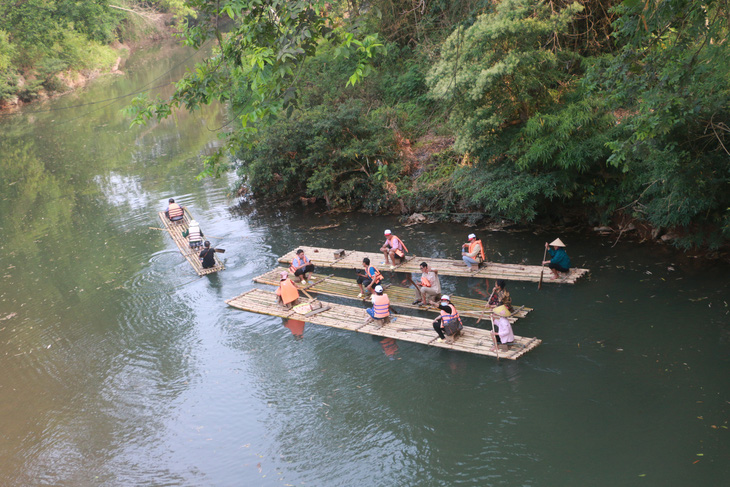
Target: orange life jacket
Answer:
[[288, 291], [298, 262], [400, 252], [381, 305], [451, 322], [175, 210], [376, 277], [472, 246]]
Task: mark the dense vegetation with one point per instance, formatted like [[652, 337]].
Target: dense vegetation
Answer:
[[513, 109], [42, 39]]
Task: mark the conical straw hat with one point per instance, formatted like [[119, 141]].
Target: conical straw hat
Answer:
[[557, 243], [502, 311]]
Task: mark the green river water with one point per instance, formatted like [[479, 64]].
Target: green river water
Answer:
[[120, 367]]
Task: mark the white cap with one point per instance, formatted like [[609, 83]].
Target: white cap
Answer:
[[471, 236], [445, 297], [388, 232], [193, 223], [378, 289], [284, 275]]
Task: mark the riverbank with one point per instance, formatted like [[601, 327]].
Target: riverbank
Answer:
[[33, 84]]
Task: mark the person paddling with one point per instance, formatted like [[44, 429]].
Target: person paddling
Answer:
[[207, 256], [500, 296], [559, 260], [287, 291], [502, 329], [393, 249], [449, 323], [472, 253]]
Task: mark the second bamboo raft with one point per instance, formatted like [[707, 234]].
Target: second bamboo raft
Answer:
[[399, 296]]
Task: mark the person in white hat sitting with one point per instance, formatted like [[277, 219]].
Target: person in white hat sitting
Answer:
[[559, 260], [394, 250], [472, 253], [381, 306], [449, 323], [194, 235], [501, 328]]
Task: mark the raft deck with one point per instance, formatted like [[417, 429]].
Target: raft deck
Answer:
[[399, 296], [176, 229], [406, 328], [352, 259]]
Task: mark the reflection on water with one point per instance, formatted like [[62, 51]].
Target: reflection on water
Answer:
[[122, 367]]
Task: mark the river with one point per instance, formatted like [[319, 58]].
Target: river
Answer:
[[121, 367]]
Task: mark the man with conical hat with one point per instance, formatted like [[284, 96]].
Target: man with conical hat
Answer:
[[501, 328], [559, 260]]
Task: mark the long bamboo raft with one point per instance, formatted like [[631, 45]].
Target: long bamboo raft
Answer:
[[175, 229], [324, 257], [399, 296], [406, 328]]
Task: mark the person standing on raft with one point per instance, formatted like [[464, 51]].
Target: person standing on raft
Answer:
[[207, 256], [287, 291], [502, 329], [472, 253], [449, 323], [559, 260], [301, 266], [371, 277], [381, 306], [429, 289], [174, 211], [393, 249]]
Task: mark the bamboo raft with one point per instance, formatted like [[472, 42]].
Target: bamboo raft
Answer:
[[175, 229], [399, 296], [324, 257], [406, 328]]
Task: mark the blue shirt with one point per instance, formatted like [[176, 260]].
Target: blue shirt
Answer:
[[559, 257]]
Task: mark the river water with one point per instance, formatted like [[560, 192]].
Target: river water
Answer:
[[121, 367]]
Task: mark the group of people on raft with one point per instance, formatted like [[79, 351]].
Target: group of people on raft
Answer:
[[428, 290], [193, 233]]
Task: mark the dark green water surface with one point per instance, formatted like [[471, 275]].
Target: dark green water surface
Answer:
[[121, 367]]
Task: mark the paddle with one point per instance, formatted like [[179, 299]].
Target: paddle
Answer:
[[539, 284], [220, 251], [494, 339], [487, 305]]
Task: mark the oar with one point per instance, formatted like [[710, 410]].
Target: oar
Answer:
[[220, 251], [486, 305], [539, 284]]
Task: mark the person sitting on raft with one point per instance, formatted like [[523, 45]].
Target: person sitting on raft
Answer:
[[301, 266], [472, 253], [502, 329], [371, 277], [429, 289], [393, 249], [174, 211], [381, 306], [207, 256], [559, 260], [194, 235], [449, 323], [287, 291], [500, 296]]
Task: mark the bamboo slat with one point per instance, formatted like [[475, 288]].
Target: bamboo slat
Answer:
[[176, 229], [324, 257], [399, 296], [406, 328]]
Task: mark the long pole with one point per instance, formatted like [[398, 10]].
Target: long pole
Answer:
[[494, 339], [542, 262], [486, 305]]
